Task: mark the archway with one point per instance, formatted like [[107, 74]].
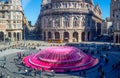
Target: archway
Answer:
[[117, 38], [98, 29], [14, 36], [57, 35], [66, 37], [1, 36], [44, 37], [9, 34], [49, 35], [18, 36], [83, 36], [88, 36], [75, 37]]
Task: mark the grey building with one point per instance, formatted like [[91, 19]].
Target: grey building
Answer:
[[107, 27], [115, 16]]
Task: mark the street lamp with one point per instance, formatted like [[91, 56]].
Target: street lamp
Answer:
[[24, 22], [24, 35], [4, 37]]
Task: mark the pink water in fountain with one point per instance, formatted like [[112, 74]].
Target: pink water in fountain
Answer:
[[60, 59]]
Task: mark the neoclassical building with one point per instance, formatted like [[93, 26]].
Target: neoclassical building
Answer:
[[11, 16], [69, 20], [115, 16]]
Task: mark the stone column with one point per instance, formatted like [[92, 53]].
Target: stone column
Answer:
[[20, 36], [114, 38], [16, 37], [46, 35], [90, 36], [53, 35], [86, 36], [71, 22], [12, 36], [62, 20], [53, 23], [4, 36], [79, 36], [70, 36], [118, 38], [96, 28], [42, 35], [61, 35]]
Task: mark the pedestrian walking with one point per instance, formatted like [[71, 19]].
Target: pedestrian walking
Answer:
[[4, 58]]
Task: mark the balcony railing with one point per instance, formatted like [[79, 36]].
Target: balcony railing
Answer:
[[65, 0], [70, 10]]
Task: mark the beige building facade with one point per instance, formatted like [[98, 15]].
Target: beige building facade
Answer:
[[69, 20], [107, 27], [11, 15], [115, 16]]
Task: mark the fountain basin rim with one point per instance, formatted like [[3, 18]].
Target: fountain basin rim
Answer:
[[63, 67]]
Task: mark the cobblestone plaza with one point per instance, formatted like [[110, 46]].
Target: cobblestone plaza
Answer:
[[12, 67], [65, 42]]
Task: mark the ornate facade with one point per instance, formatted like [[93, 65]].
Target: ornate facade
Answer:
[[11, 15], [69, 20], [115, 16]]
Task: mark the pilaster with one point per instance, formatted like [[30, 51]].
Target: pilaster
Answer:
[[79, 36], [70, 37]]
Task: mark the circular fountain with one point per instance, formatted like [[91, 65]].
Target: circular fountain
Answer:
[[60, 59]]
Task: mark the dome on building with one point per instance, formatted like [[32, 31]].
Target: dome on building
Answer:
[[60, 59]]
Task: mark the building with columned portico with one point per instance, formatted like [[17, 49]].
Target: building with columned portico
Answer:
[[69, 20]]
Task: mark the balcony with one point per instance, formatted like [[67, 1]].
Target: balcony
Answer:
[[117, 30], [65, 0], [10, 9]]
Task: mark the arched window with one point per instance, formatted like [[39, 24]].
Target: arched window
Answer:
[[49, 35], [83, 36], [49, 23], [14, 34], [66, 37], [74, 5], [9, 34], [44, 36], [1, 36], [75, 22], [57, 22], [75, 36], [18, 36], [65, 5], [66, 21], [57, 35], [88, 36], [84, 20], [58, 5]]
